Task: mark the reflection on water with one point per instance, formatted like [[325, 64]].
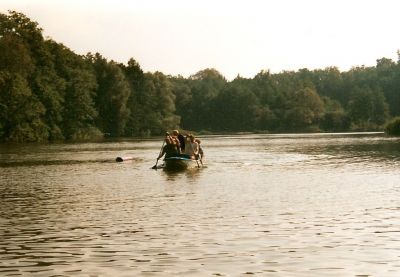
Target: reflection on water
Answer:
[[183, 174], [275, 205]]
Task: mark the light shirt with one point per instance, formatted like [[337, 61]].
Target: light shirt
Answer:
[[191, 148]]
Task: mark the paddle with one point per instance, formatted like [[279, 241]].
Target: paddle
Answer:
[[162, 146], [198, 158]]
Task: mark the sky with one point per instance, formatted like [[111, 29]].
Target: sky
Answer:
[[236, 37]]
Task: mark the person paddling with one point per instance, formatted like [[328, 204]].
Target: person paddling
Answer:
[[191, 147], [170, 149], [201, 152], [181, 139]]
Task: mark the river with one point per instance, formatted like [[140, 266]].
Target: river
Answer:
[[269, 205]]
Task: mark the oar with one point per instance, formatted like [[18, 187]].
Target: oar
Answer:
[[198, 158], [162, 146], [201, 160]]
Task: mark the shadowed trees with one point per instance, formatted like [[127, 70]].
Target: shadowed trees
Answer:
[[305, 108], [48, 92], [235, 109], [111, 96], [205, 86], [20, 111]]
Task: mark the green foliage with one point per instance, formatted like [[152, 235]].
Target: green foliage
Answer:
[[330, 83], [393, 127], [235, 109], [388, 78], [183, 98], [335, 121], [205, 85], [79, 110], [21, 111], [15, 55], [48, 92], [367, 108], [136, 102], [305, 109], [156, 105], [49, 88], [111, 97]]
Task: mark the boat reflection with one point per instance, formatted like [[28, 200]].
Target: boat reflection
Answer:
[[173, 174]]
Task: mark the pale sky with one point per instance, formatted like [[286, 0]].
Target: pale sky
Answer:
[[233, 36]]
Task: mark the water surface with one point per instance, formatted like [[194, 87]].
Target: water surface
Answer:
[[270, 205]]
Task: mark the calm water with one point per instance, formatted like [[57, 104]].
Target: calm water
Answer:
[[270, 205]]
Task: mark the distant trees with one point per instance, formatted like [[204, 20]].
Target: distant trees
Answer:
[[235, 109], [305, 109], [21, 111], [111, 98], [367, 108], [48, 92], [159, 104], [205, 86]]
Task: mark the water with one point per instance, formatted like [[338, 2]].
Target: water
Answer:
[[270, 205]]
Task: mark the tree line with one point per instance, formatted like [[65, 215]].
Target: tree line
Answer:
[[50, 93]]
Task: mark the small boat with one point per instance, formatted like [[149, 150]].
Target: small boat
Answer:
[[179, 163]]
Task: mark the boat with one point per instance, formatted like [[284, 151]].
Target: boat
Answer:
[[179, 163]]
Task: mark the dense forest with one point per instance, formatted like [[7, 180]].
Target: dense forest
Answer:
[[50, 93]]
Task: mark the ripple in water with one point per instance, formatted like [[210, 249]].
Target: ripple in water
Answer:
[[312, 205]]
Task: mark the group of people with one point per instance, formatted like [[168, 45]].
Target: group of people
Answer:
[[177, 145]]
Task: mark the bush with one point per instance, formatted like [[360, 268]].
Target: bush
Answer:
[[393, 127], [86, 134]]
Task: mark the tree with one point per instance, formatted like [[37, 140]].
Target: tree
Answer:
[[112, 96], [21, 111], [50, 92], [183, 98], [367, 108], [15, 55], [158, 86], [79, 111], [264, 88], [335, 118], [329, 82], [135, 78], [235, 109], [270, 99], [393, 127], [306, 108], [205, 86], [388, 74], [50, 89]]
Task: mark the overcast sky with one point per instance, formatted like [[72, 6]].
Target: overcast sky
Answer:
[[233, 36]]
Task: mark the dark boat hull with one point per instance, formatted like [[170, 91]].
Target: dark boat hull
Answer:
[[178, 163]]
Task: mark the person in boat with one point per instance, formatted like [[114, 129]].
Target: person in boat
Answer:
[[176, 142], [201, 152], [191, 147], [170, 149], [181, 139]]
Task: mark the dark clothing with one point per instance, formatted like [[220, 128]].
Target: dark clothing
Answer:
[[170, 150], [181, 139], [185, 156], [201, 153]]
